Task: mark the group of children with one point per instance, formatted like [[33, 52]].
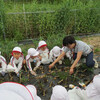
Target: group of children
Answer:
[[38, 56], [73, 49], [16, 91]]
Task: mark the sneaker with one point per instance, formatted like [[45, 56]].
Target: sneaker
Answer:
[[96, 64]]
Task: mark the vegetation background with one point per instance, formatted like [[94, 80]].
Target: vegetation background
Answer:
[[48, 20]]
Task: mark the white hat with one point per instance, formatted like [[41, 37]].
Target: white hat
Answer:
[[42, 44], [32, 52], [17, 49], [33, 91], [56, 51], [93, 89], [14, 91], [59, 93], [9, 95]]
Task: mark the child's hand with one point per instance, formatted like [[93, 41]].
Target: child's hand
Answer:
[[71, 70], [51, 65], [40, 57], [24, 61], [33, 73]]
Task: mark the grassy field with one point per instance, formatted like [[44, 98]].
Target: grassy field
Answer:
[[64, 17]]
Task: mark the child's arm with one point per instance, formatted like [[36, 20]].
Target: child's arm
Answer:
[[20, 65], [59, 57], [79, 54], [29, 65], [12, 62], [37, 65], [3, 63]]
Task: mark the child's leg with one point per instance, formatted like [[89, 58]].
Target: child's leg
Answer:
[[89, 60]]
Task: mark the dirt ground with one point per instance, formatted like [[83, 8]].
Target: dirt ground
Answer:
[[94, 40]]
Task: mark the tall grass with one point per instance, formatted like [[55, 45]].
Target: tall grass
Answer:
[[65, 19]]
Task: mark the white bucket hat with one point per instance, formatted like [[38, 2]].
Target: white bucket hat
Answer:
[[14, 91], [93, 89], [32, 52], [59, 93], [17, 49], [56, 51], [42, 44], [33, 91]]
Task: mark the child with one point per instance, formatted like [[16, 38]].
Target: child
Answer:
[[44, 52], [16, 91], [68, 54], [3, 65], [55, 52], [16, 61], [80, 49], [33, 56], [59, 93], [91, 92]]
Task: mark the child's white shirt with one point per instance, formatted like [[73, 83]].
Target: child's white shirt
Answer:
[[15, 61], [30, 60], [77, 94], [52, 56], [45, 56], [68, 53], [3, 64]]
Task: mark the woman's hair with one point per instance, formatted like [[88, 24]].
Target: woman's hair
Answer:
[[68, 40]]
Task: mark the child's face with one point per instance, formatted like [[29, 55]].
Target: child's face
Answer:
[[71, 46], [33, 57], [16, 55], [43, 48]]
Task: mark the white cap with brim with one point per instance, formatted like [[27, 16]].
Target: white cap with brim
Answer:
[[17, 49], [56, 51], [32, 52], [93, 89], [33, 91], [59, 93], [41, 44], [9, 95], [17, 91]]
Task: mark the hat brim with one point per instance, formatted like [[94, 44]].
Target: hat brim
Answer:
[[56, 55], [18, 88], [42, 46], [36, 54], [16, 52]]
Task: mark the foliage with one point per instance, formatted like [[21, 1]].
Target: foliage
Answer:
[[50, 17]]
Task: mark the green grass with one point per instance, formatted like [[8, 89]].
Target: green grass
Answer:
[[97, 50], [63, 20]]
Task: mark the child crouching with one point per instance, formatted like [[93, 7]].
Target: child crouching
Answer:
[[16, 61], [44, 52], [55, 52], [33, 56], [3, 65]]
